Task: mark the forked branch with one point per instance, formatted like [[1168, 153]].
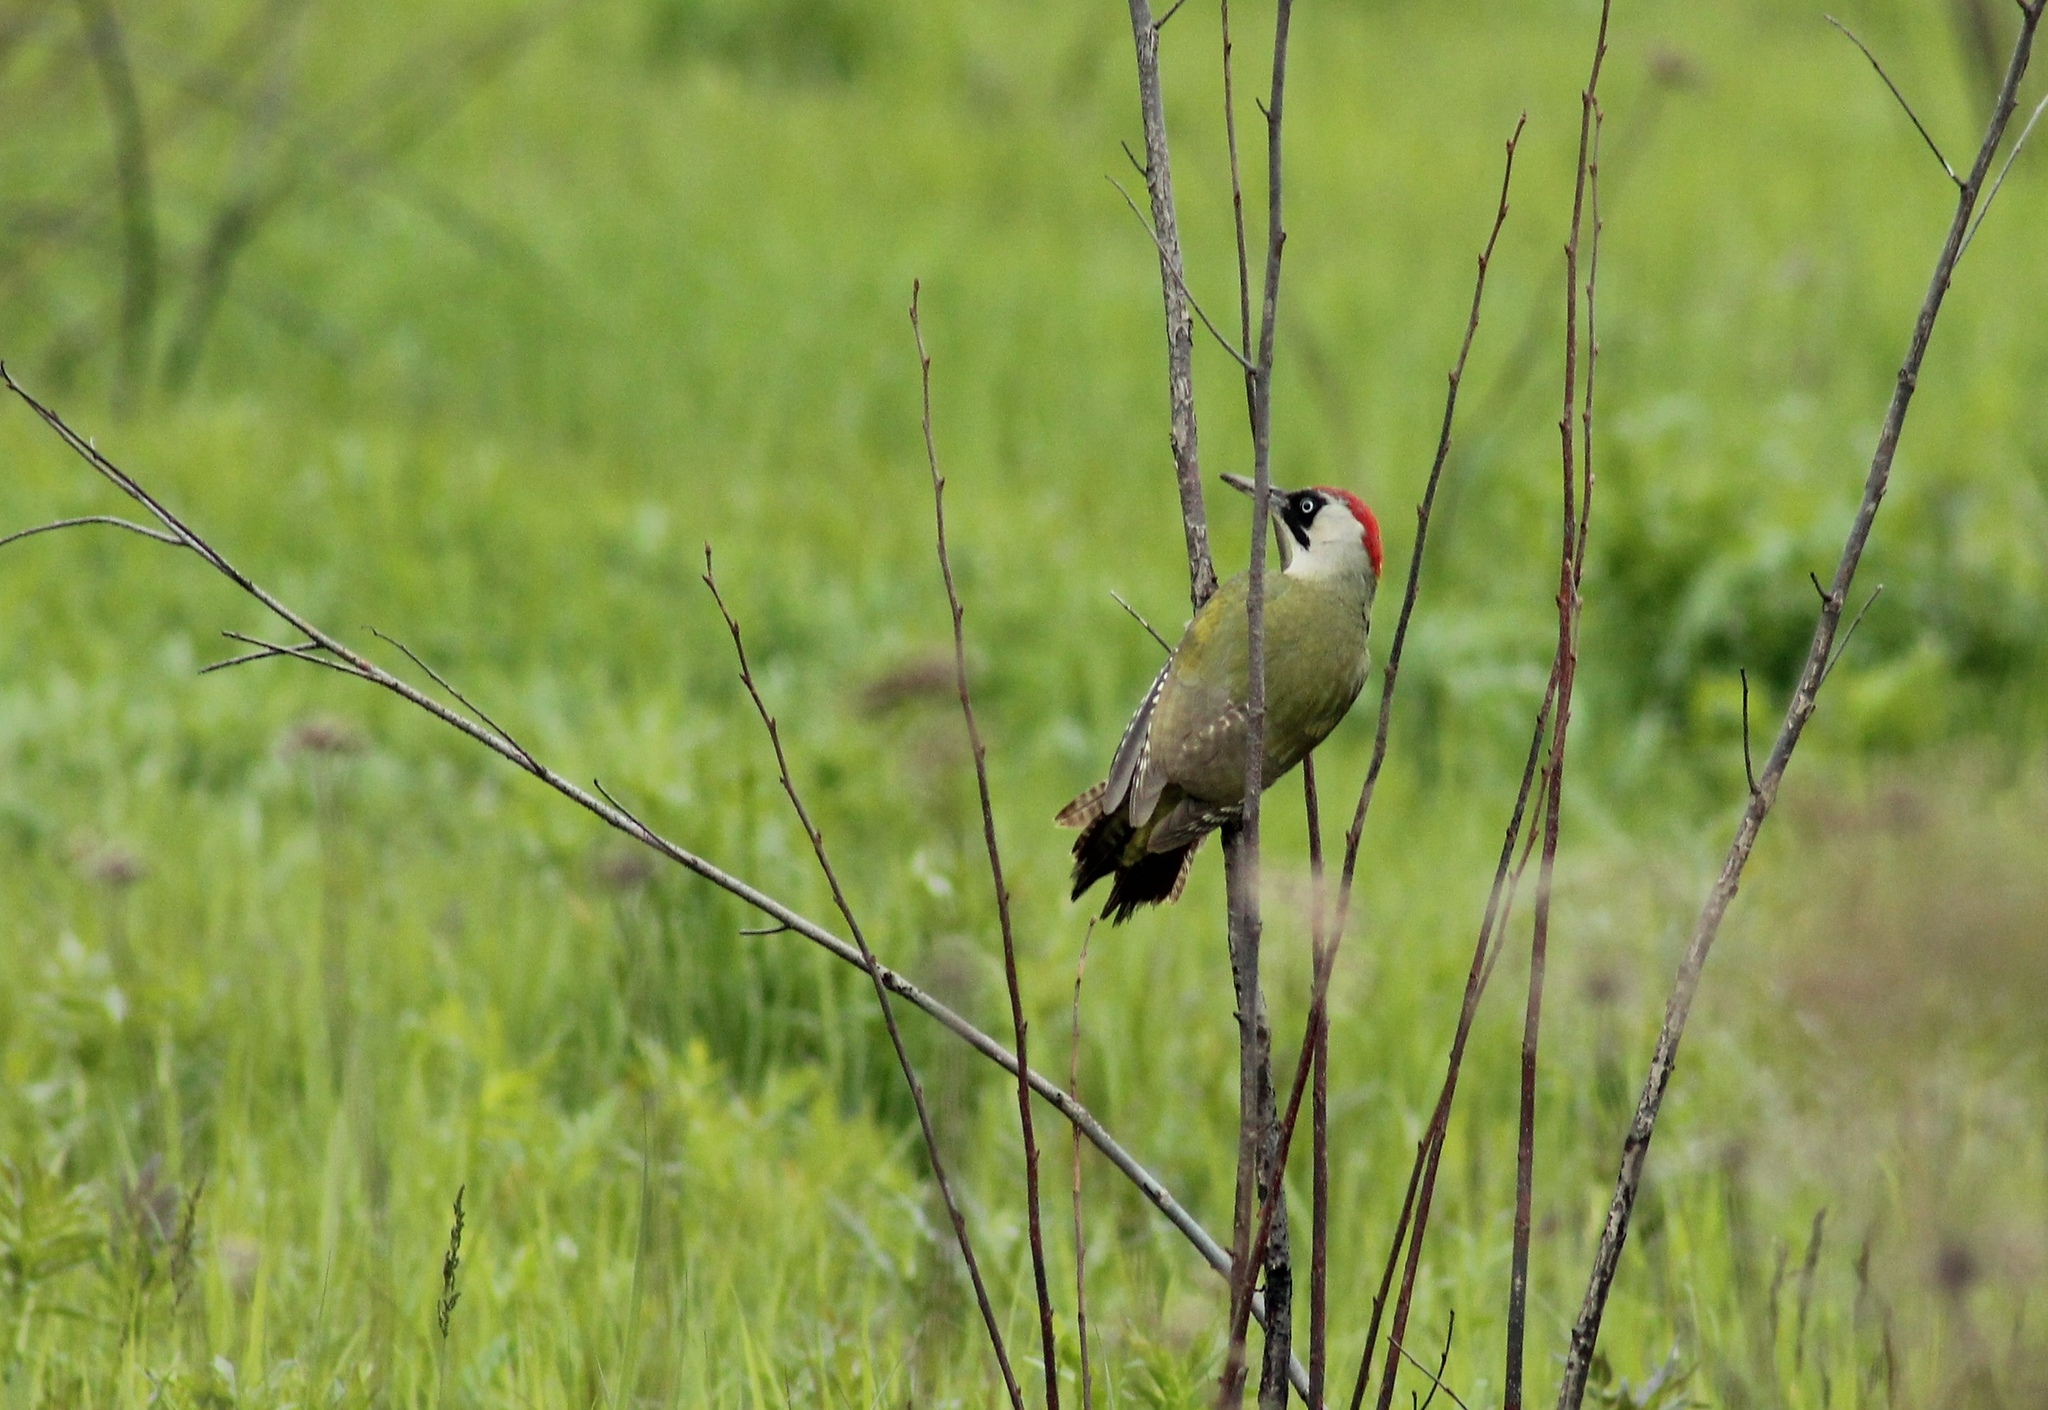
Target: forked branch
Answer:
[[1636, 1146], [107, 519], [1911, 116], [1180, 332], [867, 956]]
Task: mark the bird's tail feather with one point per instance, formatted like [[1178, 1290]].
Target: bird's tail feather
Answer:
[[1099, 850], [1153, 878], [1083, 810]]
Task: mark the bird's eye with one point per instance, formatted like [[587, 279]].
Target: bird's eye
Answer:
[[1306, 506]]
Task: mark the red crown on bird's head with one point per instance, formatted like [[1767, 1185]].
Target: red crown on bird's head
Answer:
[[1368, 524]]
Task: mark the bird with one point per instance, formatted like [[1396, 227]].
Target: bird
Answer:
[[1178, 772]]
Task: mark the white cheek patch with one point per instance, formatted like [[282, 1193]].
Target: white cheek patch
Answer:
[[1332, 540]]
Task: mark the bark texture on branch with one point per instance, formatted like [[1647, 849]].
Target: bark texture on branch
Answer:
[[1180, 328]]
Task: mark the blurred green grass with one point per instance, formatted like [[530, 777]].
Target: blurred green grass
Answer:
[[646, 288]]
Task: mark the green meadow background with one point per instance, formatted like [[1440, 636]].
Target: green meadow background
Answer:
[[474, 323]]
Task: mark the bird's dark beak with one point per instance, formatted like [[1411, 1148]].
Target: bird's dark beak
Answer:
[[1243, 485], [1275, 497]]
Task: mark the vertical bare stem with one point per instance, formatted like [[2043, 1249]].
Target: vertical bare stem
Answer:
[[1636, 1145], [1080, 1236], [995, 869], [1259, 1167], [1429, 1154], [910, 1077], [1244, 277], [1180, 328], [1577, 455], [1319, 1109]]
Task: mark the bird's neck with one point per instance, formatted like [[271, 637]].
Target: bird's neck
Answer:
[[1329, 561]]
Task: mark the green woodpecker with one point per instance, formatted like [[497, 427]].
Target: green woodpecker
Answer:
[[1178, 774]]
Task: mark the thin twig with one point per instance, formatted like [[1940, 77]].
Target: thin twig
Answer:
[[107, 519], [1429, 1151], [460, 698], [1080, 1235], [1748, 764], [1391, 675], [764, 929], [1436, 1377], [1244, 278], [1319, 1105], [265, 654], [1018, 1026], [1180, 341], [1849, 635], [910, 1078], [314, 653], [1999, 184], [1571, 573], [1139, 618], [1918, 126], [1635, 1148], [1222, 342]]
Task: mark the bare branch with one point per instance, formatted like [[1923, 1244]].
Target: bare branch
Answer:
[[1049, 1345], [1222, 342], [1571, 573], [1636, 1146], [1080, 1235], [1850, 635], [1318, 1057], [1918, 126], [1136, 616], [460, 698], [309, 653], [93, 519], [1244, 278], [868, 962], [1436, 1377], [1429, 1151], [1748, 764], [1392, 674], [1180, 342], [1261, 1164], [2010, 157], [265, 654]]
